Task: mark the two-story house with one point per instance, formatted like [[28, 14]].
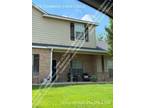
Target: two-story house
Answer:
[[63, 49]]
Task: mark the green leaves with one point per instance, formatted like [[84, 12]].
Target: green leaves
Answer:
[[110, 37]]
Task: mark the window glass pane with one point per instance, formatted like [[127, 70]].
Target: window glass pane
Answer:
[[79, 27], [79, 31], [76, 64], [35, 64], [80, 35]]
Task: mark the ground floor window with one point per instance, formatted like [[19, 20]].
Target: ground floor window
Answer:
[[76, 67], [76, 71], [76, 64], [35, 64]]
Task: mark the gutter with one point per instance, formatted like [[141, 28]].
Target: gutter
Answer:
[[62, 48]]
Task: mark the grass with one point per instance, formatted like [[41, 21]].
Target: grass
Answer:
[[74, 96]]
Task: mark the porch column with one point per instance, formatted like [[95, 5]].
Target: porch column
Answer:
[[106, 68], [50, 69], [99, 68], [99, 63]]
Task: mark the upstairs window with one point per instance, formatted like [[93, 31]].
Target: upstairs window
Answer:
[[35, 64], [79, 32]]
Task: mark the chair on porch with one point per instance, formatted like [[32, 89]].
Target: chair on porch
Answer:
[[86, 77], [75, 75]]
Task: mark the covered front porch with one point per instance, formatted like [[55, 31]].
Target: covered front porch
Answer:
[[83, 67]]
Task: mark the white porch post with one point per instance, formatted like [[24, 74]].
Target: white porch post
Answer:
[[51, 56]]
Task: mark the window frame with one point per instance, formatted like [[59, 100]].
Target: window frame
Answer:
[[77, 27], [77, 64], [35, 64], [73, 31]]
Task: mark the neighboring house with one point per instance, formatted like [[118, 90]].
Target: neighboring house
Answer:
[[55, 39]]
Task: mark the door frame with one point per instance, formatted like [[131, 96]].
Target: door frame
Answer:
[[54, 69]]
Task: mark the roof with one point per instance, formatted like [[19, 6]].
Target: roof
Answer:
[[46, 14], [65, 47], [104, 6], [102, 44]]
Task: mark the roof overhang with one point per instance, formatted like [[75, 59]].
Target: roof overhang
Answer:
[[104, 6], [69, 19], [62, 48]]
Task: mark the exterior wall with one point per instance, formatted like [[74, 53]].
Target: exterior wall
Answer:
[[44, 64], [91, 64], [98, 65], [108, 62], [108, 65], [103, 75], [87, 60], [62, 77], [54, 31], [88, 63]]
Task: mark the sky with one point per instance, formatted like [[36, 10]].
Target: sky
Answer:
[[77, 10]]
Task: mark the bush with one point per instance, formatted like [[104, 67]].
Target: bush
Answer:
[[93, 78]]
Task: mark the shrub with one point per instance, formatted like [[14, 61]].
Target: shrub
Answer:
[[93, 78]]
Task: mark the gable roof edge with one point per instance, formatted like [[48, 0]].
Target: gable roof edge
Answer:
[[38, 8], [45, 14]]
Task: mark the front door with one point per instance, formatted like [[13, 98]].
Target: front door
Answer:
[[53, 70]]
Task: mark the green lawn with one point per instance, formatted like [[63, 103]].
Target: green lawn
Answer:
[[74, 96]]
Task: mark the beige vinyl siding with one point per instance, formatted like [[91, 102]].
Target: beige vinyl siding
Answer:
[[54, 31]]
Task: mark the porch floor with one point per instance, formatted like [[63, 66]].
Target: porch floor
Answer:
[[76, 83]]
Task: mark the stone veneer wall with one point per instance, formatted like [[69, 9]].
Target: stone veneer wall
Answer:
[[44, 64], [91, 64]]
